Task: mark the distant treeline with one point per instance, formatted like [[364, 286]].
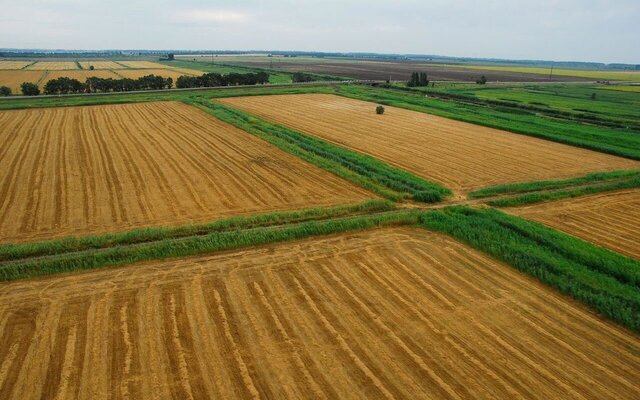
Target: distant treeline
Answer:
[[94, 84], [214, 79]]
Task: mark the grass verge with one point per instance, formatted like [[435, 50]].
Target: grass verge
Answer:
[[193, 245], [366, 171], [539, 197], [534, 186], [75, 244], [604, 280]]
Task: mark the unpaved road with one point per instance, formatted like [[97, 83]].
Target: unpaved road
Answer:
[[97, 169], [387, 313], [459, 155]]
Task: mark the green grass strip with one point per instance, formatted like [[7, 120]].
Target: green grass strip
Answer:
[[361, 169], [556, 184], [193, 245], [539, 197], [602, 279], [71, 244]]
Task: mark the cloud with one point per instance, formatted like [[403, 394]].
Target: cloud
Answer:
[[212, 16]]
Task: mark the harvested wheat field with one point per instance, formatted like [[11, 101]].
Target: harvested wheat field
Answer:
[[100, 65], [165, 73], [80, 75], [6, 64], [388, 313], [458, 155], [611, 220], [142, 64], [53, 65], [13, 79], [93, 169]]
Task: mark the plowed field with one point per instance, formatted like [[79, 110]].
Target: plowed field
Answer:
[[14, 79], [393, 313], [458, 155], [53, 65], [610, 220], [76, 170]]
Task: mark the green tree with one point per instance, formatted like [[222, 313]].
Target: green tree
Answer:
[[29, 89], [379, 110], [5, 91]]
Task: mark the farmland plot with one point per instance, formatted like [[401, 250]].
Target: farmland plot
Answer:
[[387, 313], [7, 64], [78, 170], [53, 65], [458, 155], [101, 65], [142, 64], [13, 79], [165, 73], [80, 75], [611, 220]]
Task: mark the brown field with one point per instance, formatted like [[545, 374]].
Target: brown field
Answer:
[[389, 313], [142, 64], [101, 65], [611, 220], [53, 65], [461, 156], [383, 70], [95, 169], [14, 79], [13, 64]]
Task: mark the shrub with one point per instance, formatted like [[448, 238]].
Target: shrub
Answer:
[[91, 67], [379, 110], [5, 91], [482, 80], [29, 89]]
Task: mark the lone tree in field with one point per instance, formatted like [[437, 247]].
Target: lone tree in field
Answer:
[[379, 110], [5, 91], [418, 79], [91, 67], [29, 89], [482, 80]]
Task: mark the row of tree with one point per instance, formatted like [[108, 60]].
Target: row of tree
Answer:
[[214, 79], [418, 79]]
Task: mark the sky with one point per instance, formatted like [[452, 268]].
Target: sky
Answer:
[[560, 30]]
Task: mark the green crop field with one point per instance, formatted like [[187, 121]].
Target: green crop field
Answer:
[[633, 76]]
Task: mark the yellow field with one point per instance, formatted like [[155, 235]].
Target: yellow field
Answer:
[[622, 88], [459, 155], [388, 313], [611, 220], [13, 64], [96, 169], [101, 65], [165, 73], [13, 79], [143, 64], [80, 75], [53, 65]]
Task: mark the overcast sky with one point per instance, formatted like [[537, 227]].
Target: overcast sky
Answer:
[[582, 30]]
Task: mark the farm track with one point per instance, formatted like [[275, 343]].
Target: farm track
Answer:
[[80, 170], [458, 155], [611, 219], [399, 312]]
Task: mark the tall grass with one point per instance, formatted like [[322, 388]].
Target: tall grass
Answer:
[[364, 170], [538, 197], [604, 280], [524, 187], [193, 245], [74, 244]]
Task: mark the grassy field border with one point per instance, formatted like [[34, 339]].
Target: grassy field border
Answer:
[[16, 251]]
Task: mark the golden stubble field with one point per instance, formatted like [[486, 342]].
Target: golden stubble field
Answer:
[[95, 169], [461, 156], [387, 313], [611, 220]]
